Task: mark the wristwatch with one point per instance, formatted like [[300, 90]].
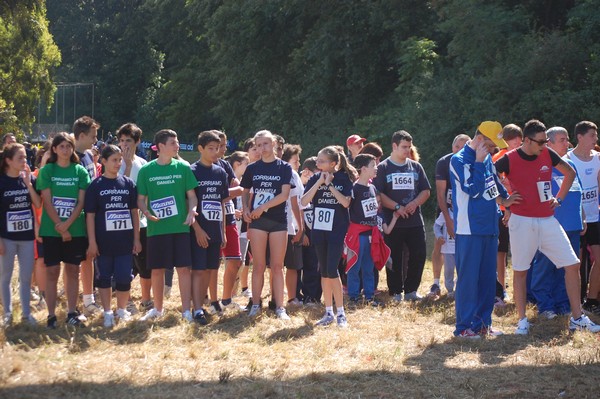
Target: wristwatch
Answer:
[[397, 207], [559, 201]]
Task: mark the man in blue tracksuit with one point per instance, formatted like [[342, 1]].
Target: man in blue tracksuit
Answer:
[[476, 191], [548, 281]]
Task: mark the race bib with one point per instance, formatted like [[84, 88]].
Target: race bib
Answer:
[[118, 220], [308, 218], [403, 181], [262, 197], [64, 206], [229, 208], [589, 195], [544, 191], [449, 197], [323, 219], [164, 208], [212, 211], [491, 190], [18, 221], [369, 207]]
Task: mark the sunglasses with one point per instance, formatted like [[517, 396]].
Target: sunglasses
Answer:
[[540, 142]]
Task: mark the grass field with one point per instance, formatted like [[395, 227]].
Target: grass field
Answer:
[[404, 350]]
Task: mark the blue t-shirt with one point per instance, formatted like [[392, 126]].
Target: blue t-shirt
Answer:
[[330, 218], [112, 202], [229, 205], [16, 215], [402, 184], [211, 191], [363, 208], [266, 181]]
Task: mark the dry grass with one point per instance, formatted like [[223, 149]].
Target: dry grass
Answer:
[[403, 350]]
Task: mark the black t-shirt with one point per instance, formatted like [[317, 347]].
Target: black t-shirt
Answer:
[[112, 201], [229, 205], [502, 164], [266, 180], [330, 218], [363, 207], [16, 215], [211, 191], [442, 172]]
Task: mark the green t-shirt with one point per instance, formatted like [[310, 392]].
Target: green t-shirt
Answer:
[[165, 187], [64, 185]]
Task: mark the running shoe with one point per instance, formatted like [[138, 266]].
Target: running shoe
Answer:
[[548, 315], [109, 319], [489, 331], [591, 307], [342, 322], [7, 319], [468, 334], [215, 308], [523, 327], [282, 314], [74, 319], [246, 293], [146, 305], [33, 296], [187, 316], [254, 311], [295, 302], [152, 314], [230, 305], [412, 296], [397, 298], [434, 291], [124, 315], [51, 322], [200, 318], [583, 323], [131, 307], [92, 309], [326, 320], [29, 320]]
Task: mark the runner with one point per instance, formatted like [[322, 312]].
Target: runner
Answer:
[[163, 186], [330, 192], [113, 227], [63, 182], [264, 210], [18, 194]]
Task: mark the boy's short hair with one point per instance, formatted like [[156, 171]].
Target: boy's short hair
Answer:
[[130, 129], [162, 136], [208, 136], [310, 164], [363, 161], [582, 127], [84, 125], [533, 127], [400, 135], [289, 150]]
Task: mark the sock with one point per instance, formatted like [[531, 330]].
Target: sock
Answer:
[[436, 281], [340, 311], [226, 302], [109, 313], [329, 310], [87, 299]]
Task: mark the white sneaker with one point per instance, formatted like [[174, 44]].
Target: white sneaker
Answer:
[[548, 315], [247, 293], [152, 314], [295, 302], [583, 323], [397, 298], [124, 315], [522, 327], [326, 320], [7, 319], [231, 306], [254, 311], [282, 314], [187, 316], [109, 319], [342, 322], [412, 296], [29, 320], [92, 309]]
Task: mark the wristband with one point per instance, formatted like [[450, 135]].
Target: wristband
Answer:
[[560, 202]]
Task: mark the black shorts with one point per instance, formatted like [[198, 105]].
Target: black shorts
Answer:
[[268, 225], [293, 255], [592, 234], [72, 252], [168, 251], [208, 258], [139, 260], [39, 247], [503, 237]]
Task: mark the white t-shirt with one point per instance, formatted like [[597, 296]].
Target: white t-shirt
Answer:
[[295, 195], [137, 164]]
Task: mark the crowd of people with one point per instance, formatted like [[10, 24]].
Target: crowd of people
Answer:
[[323, 229]]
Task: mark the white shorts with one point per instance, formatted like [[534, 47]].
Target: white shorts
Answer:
[[529, 234]]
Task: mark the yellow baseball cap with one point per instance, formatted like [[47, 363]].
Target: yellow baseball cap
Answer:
[[493, 131]]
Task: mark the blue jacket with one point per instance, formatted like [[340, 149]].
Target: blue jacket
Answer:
[[475, 186]]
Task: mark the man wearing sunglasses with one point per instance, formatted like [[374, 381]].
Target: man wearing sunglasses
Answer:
[[532, 224]]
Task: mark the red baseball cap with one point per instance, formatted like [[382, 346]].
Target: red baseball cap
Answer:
[[355, 138]]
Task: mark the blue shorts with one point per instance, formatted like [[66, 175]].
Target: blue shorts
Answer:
[[168, 251], [110, 267], [208, 258]]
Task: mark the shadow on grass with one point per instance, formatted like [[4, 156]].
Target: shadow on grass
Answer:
[[437, 381]]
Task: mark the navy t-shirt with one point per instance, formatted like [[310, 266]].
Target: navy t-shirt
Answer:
[[442, 172], [266, 180], [330, 218], [401, 183], [212, 189], [363, 208], [112, 201], [16, 215], [229, 205]]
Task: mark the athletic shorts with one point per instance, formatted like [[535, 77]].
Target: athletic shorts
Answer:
[[592, 234], [293, 255], [503, 236], [232, 249], [72, 252], [208, 258], [139, 260], [268, 225], [168, 251], [528, 235], [114, 267]]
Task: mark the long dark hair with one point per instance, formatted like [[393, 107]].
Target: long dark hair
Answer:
[[9, 152], [58, 140], [336, 154]]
